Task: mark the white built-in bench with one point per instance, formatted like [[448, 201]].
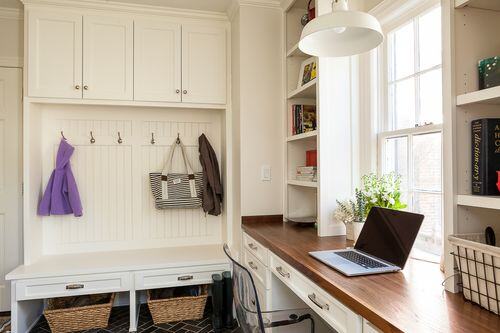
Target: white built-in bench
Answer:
[[105, 272]]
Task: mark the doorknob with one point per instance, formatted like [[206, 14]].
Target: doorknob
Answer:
[[85, 87], [177, 91], [77, 87], [184, 92]]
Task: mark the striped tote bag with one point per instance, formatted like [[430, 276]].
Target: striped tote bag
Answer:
[[177, 190]]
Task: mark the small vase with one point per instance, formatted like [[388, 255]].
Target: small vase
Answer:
[[357, 227], [349, 231]]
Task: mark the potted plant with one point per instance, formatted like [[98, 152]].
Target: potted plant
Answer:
[[381, 191]]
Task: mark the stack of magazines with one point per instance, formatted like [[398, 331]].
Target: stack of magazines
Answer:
[[307, 173]]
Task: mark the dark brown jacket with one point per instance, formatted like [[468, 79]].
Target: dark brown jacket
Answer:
[[212, 185]]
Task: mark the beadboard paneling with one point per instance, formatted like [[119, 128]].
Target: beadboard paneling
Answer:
[[113, 180]]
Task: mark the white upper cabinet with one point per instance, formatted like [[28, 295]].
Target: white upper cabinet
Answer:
[[108, 57], [203, 64], [55, 54], [157, 61]]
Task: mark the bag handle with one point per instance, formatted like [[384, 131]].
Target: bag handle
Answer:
[[168, 164]]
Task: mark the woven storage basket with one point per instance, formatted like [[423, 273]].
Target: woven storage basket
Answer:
[[87, 317], [178, 308], [479, 268]]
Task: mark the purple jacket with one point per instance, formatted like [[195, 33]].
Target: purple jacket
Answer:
[[61, 195]]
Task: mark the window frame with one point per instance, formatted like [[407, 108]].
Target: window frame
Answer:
[[383, 113]]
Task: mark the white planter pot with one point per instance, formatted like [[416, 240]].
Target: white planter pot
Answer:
[[357, 227], [349, 231]]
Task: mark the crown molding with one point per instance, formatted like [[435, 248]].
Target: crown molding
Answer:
[[389, 11], [11, 13], [234, 8], [127, 8], [11, 62]]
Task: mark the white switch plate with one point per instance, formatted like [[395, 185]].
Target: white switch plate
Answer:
[[265, 173]]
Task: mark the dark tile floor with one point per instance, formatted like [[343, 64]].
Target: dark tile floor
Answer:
[[119, 323]]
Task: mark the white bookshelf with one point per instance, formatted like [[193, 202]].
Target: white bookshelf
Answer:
[[302, 183], [308, 90], [485, 96], [294, 51], [478, 201], [307, 135]]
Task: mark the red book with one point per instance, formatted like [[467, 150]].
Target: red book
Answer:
[[312, 158]]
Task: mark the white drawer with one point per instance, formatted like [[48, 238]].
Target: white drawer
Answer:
[[72, 285], [173, 277], [257, 269], [255, 248], [341, 318]]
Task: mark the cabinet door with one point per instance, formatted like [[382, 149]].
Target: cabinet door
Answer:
[[54, 54], [203, 64], [157, 61], [107, 57]]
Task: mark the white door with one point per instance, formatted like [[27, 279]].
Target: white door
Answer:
[[55, 54], [108, 57], [203, 64], [10, 177], [157, 61]]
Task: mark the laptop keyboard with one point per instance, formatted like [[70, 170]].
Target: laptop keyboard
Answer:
[[360, 259]]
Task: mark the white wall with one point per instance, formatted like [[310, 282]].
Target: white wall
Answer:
[[11, 36], [259, 82]]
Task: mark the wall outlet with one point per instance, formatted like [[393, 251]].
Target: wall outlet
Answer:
[[265, 173]]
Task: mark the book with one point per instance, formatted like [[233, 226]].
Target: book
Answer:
[[311, 157], [485, 155], [303, 118]]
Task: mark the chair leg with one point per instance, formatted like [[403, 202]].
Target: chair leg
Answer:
[[294, 319]]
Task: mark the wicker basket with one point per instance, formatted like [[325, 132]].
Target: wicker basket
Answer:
[[479, 268], [178, 308], [62, 319]]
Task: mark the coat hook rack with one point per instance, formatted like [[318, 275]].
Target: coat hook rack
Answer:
[[62, 135], [178, 141], [152, 138], [92, 140], [120, 141]]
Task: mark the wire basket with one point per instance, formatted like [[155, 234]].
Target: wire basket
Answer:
[[479, 268]]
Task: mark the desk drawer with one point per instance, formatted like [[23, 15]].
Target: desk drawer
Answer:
[[341, 318], [255, 248], [72, 285], [173, 277], [257, 269]]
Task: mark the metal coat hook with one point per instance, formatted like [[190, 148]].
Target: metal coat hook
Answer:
[[62, 135], [178, 141], [152, 138], [120, 141], [92, 140]]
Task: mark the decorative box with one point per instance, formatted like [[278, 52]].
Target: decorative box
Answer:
[[489, 72]]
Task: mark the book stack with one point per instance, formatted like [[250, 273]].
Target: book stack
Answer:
[[307, 173], [485, 156], [303, 119]]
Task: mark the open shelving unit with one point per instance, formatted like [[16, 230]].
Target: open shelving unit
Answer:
[[468, 38]]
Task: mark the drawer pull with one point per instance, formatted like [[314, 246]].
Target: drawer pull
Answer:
[[282, 273], [252, 246], [185, 278], [313, 299], [74, 286], [253, 266]]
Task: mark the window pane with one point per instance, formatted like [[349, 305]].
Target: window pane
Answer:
[[431, 108], [396, 158], [404, 51], [427, 162], [430, 236], [404, 105], [429, 29]]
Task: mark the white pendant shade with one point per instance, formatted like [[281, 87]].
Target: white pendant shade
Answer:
[[341, 33]]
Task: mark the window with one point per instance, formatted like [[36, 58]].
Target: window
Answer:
[[410, 140]]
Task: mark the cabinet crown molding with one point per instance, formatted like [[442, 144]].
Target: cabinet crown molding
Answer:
[[11, 13], [129, 8]]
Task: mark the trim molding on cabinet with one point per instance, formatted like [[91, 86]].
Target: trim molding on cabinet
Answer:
[[130, 8], [11, 13], [11, 62]]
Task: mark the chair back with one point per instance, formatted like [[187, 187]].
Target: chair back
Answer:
[[246, 300]]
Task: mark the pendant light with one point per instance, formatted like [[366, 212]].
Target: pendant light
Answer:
[[341, 33]]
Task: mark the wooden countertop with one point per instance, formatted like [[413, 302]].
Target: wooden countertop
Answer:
[[409, 301]]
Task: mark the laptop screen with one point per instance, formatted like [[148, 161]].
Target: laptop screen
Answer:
[[389, 234]]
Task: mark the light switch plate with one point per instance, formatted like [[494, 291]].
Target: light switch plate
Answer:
[[265, 173]]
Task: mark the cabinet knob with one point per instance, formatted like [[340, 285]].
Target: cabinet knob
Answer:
[[177, 91], [184, 92], [85, 87], [77, 87]]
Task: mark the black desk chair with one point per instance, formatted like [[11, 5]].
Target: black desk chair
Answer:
[[248, 313]]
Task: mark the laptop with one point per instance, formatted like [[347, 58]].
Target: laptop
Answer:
[[383, 245]]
